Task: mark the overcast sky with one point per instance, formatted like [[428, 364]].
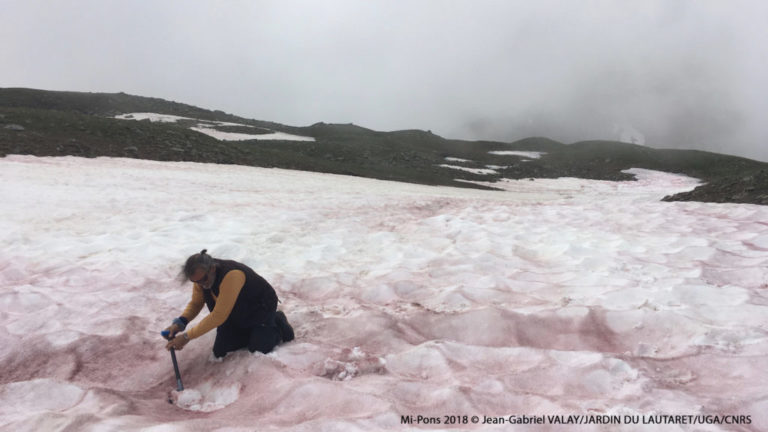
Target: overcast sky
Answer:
[[686, 74]]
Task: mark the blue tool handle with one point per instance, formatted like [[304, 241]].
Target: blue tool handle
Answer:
[[166, 334]]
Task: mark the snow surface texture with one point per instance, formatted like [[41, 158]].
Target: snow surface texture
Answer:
[[207, 127], [558, 296]]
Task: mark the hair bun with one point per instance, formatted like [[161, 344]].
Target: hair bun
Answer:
[[203, 251]]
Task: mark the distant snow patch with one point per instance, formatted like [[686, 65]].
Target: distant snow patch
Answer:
[[454, 159], [207, 127], [472, 170], [233, 136], [532, 155], [153, 117]]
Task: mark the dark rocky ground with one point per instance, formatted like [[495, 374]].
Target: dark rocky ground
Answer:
[[47, 123]]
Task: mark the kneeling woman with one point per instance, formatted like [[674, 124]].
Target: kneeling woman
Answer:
[[242, 305]]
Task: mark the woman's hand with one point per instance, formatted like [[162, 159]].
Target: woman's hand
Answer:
[[178, 342]]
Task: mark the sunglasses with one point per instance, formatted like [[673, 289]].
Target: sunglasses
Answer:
[[202, 279]]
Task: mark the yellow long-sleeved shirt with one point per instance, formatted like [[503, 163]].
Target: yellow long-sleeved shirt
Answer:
[[229, 289]]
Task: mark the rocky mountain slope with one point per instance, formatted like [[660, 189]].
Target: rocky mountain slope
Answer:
[[47, 123]]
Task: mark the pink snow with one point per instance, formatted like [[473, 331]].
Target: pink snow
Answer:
[[556, 297]]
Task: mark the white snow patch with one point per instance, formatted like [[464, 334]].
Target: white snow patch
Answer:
[[208, 396], [234, 136], [526, 154], [153, 117], [483, 171], [206, 127]]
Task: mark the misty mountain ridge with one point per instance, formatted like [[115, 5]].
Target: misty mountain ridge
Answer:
[[54, 123]]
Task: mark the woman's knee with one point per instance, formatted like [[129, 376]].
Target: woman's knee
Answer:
[[218, 352], [263, 339]]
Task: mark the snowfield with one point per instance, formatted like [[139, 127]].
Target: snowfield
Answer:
[[553, 297]]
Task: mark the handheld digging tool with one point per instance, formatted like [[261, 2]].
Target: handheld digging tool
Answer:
[[179, 386]]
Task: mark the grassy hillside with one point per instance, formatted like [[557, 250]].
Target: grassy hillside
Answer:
[[47, 123]]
